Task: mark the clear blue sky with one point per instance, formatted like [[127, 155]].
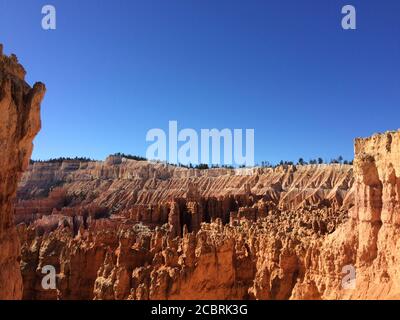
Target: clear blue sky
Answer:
[[115, 69]]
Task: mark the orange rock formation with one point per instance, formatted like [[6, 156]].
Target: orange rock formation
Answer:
[[125, 229], [19, 123]]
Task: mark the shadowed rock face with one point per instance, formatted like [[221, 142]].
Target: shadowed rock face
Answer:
[[19, 123]]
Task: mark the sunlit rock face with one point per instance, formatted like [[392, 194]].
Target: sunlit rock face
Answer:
[[19, 124], [124, 229], [377, 215], [369, 240]]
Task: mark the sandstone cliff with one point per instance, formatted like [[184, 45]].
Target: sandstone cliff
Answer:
[[369, 241], [376, 216], [19, 123]]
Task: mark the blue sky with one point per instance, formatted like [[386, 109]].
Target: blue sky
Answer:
[[116, 69]]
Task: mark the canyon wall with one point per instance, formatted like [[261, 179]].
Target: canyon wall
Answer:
[[19, 123], [124, 229], [138, 189], [377, 216]]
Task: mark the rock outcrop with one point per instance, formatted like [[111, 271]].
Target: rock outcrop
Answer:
[[366, 247], [377, 216], [19, 123]]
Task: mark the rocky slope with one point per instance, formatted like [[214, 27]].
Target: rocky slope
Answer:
[[19, 123], [143, 191], [123, 229], [99, 221]]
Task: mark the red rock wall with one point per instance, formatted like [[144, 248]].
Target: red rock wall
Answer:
[[19, 123]]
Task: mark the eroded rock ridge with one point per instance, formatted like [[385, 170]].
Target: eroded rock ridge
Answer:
[[19, 124]]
